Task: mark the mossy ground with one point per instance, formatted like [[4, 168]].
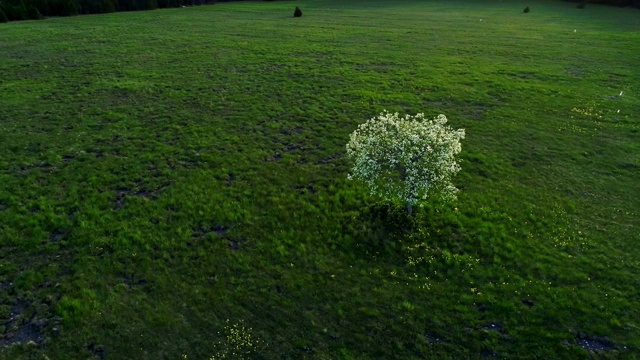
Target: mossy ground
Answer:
[[163, 172]]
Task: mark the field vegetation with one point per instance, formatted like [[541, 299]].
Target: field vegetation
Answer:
[[173, 184]]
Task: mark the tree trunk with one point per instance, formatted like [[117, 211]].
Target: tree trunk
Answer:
[[409, 208]]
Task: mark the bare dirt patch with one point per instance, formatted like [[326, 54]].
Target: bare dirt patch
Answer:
[[132, 280], [59, 235], [433, 338], [595, 343], [22, 325], [97, 350], [23, 334], [140, 192]]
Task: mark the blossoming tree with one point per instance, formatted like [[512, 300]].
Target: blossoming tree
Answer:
[[406, 159]]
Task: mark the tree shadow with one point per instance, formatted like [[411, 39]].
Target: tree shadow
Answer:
[[378, 229]]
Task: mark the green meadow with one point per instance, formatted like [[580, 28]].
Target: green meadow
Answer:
[[173, 183]]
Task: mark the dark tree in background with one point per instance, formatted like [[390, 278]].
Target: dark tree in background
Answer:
[[63, 7], [99, 6], [3, 17], [19, 10]]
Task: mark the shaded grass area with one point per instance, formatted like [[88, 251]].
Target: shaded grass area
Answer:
[[164, 172]]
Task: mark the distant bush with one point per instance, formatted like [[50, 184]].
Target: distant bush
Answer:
[[297, 12]]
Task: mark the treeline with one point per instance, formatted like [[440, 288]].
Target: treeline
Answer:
[[11, 10], [622, 3]]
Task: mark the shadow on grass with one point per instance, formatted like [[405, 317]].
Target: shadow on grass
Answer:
[[386, 229]]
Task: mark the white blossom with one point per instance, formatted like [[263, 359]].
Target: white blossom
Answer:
[[406, 159]]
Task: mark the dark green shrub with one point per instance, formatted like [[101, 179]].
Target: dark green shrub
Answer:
[[297, 12]]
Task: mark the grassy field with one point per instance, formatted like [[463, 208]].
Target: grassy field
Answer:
[[174, 181]]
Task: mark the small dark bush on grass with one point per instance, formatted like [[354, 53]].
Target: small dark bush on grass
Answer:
[[297, 13], [526, 10]]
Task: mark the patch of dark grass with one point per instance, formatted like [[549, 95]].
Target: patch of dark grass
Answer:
[[131, 280], [98, 351], [59, 235], [203, 231]]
